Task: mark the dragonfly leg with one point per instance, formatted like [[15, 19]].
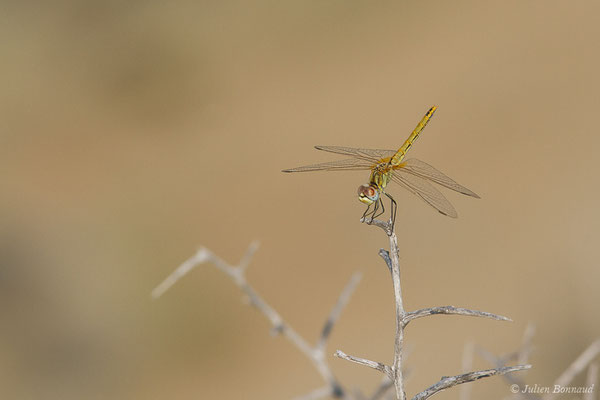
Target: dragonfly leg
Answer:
[[364, 216], [394, 209], [374, 212], [379, 201]]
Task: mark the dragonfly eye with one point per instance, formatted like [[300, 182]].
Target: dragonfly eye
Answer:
[[367, 194]]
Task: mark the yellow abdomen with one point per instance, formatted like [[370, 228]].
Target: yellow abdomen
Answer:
[[397, 158]]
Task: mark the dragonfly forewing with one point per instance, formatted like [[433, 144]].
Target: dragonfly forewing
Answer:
[[374, 155], [348, 164]]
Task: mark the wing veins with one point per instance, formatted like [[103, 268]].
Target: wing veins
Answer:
[[423, 170], [347, 164], [374, 155], [425, 191]]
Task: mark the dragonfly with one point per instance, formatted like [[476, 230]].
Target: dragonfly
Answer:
[[387, 166]]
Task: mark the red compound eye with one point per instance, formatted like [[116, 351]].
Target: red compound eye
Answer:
[[367, 191]]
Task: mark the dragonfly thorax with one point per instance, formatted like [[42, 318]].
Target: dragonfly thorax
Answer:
[[368, 194]]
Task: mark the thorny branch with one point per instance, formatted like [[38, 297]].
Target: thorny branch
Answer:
[[367, 363], [448, 310], [576, 367], [521, 356], [336, 311], [316, 354], [449, 381], [467, 365], [383, 388], [584, 360], [591, 380], [394, 372]]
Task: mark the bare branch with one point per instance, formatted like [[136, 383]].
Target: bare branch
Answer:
[[449, 381], [367, 363], [448, 310], [467, 365], [500, 362], [237, 273], [320, 393], [394, 373], [521, 355], [400, 315], [386, 257], [591, 381], [245, 261], [526, 344], [383, 388], [403, 317], [385, 225], [201, 256], [337, 309], [392, 261], [357, 394], [576, 367]]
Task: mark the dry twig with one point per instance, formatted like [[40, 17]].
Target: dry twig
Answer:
[[448, 310], [591, 381], [467, 365], [394, 372], [521, 356], [584, 360], [316, 354], [383, 388], [367, 363], [448, 381], [576, 367], [499, 362]]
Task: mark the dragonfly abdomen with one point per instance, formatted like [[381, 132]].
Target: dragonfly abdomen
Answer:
[[399, 156]]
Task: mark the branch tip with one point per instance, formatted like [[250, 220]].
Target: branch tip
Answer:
[[336, 311], [451, 310], [387, 370], [448, 381]]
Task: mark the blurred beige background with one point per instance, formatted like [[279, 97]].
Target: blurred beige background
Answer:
[[133, 132]]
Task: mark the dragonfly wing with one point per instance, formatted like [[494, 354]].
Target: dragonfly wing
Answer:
[[425, 191], [347, 164], [421, 169], [374, 155]]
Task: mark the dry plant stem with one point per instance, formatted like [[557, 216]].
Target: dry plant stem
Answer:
[[448, 310], [499, 362], [400, 317], [382, 389], [367, 363], [526, 344], [315, 354], [320, 393], [383, 253], [576, 367], [467, 364], [394, 372], [336, 311], [449, 381], [522, 357], [591, 380], [563, 380], [386, 384], [393, 263]]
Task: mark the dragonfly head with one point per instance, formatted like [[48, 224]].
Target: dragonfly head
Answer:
[[368, 194]]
